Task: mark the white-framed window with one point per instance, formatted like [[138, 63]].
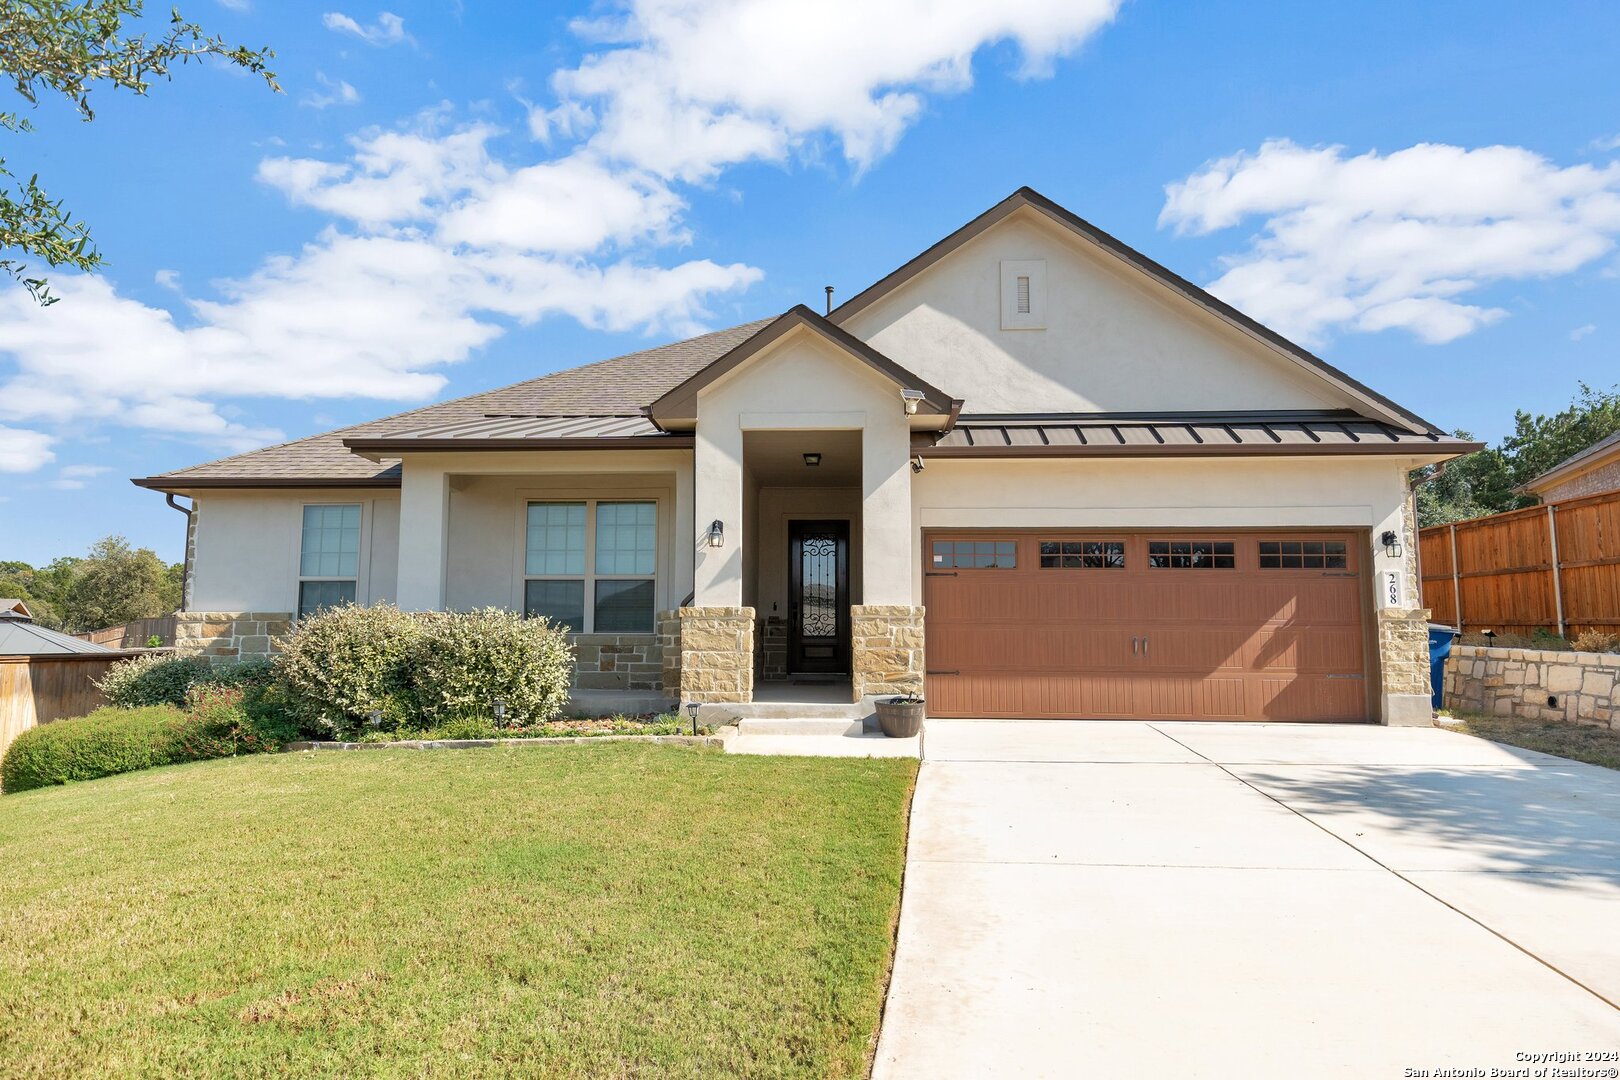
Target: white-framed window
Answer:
[[1023, 294], [591, 564], [328, 556]]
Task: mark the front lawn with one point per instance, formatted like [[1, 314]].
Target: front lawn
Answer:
[[1580, 742], [613, 910]]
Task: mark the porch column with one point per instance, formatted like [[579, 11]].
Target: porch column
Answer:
[[424, 520], [886, 628], [718, 496]]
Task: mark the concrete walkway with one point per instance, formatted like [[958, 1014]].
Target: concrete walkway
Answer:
[[1222, 900]]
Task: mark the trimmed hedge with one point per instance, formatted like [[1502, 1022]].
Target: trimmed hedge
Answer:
[[165, 678]]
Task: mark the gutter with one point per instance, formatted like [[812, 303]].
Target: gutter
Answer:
[[185, 572]]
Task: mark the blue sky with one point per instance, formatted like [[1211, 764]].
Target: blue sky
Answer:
[[451, 196]]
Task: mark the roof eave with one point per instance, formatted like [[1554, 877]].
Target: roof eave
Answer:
[[1434, 450], [395, 447], [180, 484]]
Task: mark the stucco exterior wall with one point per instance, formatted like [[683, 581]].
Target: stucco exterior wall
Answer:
[[1597, 481], [802, 383], [1113, 340], [247, 547]]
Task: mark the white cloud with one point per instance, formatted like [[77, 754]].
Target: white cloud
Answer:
[[24, 451], [1605, 143], [336, 92], [168, 279], [235, 5], [1376, 241], [683, 88], [1582, 331], [389, 29], [74, 477]]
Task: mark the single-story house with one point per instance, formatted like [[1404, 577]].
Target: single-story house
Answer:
[[1593, 471], [1031, 473]]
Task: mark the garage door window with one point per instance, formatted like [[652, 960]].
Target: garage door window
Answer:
[[1192, 554], [1082, 554], [1302, 555], [975, 554]]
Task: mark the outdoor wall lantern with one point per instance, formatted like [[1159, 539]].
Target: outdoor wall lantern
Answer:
[[912, 399], [692, 708], [812, 459], [499, 707], [717, 533], [1391, 542], [375, 716]]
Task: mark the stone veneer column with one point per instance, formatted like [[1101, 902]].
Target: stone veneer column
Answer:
[[716, 654], [1403, 663], [886, 649]]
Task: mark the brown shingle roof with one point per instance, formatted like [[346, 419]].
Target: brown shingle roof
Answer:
[[622, 386]]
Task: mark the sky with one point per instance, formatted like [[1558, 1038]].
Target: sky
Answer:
[[453, 195]]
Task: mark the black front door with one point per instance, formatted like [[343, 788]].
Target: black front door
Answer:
[[818, 598]]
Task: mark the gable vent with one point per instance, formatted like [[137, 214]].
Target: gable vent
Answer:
[[1023, 294]]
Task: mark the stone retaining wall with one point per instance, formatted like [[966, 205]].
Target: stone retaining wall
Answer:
[[225, 637], [617, 662], [886, 649], [1535, 684], [717, 654]]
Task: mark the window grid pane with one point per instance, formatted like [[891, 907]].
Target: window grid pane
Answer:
[[561, 602], [976, 554], [624, 607], [1192, 554], [626, 538], [330, 542], [316, 595], [1082, 554], [556, 539], [1302, 555]]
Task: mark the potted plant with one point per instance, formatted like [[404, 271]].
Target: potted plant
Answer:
[[901, 717]]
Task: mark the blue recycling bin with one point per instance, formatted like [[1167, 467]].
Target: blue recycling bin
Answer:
[[1441, 639]]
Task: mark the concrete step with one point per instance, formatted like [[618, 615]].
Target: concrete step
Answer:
[[731, 712], [799, 725]]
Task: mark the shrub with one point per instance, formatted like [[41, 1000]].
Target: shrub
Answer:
[[1597, 641], [467, 660], [107, 741], [345, 662], [153, 679]]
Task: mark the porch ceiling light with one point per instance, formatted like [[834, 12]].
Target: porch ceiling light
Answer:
[[717, 533], [912, 399], [812, 459]]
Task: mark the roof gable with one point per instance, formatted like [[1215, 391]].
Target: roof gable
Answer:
[[1598, 454], [1171, 284], [679, 404]]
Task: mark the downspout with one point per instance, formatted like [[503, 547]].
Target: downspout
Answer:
[[185, 571], [1417, 537]]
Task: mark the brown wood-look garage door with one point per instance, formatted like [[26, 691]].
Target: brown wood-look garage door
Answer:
[[1173, 625]]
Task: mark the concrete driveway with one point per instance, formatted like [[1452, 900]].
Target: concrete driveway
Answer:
[[1224, 900]]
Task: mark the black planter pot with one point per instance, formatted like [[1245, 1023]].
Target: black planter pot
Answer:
[[901, 718]]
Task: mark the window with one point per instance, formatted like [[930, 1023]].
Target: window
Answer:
[[1023, 294], [976, 554], [601, 583], [1302, 555], [328, 557], [1080, 554], [1191, 554]]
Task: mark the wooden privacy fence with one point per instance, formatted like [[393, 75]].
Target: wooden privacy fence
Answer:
[[38, 689], [1555, 567], [133, 635]]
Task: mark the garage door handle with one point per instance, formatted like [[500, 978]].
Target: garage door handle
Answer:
[[1136, 646], [1144, 645]]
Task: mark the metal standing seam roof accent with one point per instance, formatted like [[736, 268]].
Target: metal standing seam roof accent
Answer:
[[1183, 435], [23, 637], [486, 432]]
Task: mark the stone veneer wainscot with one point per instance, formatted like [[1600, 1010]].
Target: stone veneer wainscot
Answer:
[[886, 649], [225, 637]]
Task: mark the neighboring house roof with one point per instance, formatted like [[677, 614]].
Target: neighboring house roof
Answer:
[[14, 609], [680, 403], [1189, 434], [20, 636], [622, 386], [1599, 453], [1378, 405]]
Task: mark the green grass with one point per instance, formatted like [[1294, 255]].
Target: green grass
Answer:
[[613, 910], [1579, 742]]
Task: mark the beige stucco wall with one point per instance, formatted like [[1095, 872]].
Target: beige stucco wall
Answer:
[[248, 545], [1114, 340], [802, 383]]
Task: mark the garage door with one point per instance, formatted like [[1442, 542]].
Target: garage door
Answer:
[[1137, 625]]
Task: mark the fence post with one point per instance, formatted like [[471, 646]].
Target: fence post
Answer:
[[1456, 580], [1558, 584]]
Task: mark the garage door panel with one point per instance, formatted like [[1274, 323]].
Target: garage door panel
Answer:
[[1173, 642]]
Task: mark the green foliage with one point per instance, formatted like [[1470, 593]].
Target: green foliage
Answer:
[[112, 585], [152, 679], [347, 661], [465, 661], [67, 48], [107, 741], [1487, 482], [155, 641]]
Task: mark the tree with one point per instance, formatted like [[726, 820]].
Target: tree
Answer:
[[116, 584], [67, 48], [1488, 482]]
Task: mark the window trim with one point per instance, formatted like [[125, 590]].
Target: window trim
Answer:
[[592, 499], [362, 562]]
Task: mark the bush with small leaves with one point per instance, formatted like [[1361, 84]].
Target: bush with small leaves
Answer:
[[345, 662], [152, 679], [467, 661], [1596, 641]]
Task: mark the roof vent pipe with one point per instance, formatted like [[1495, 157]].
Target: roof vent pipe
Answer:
[[829, 291]]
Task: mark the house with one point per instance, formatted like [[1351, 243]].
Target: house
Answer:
[[1030, 472], [1593, 471]]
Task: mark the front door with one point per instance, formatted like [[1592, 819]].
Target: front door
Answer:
[[818, 598]]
